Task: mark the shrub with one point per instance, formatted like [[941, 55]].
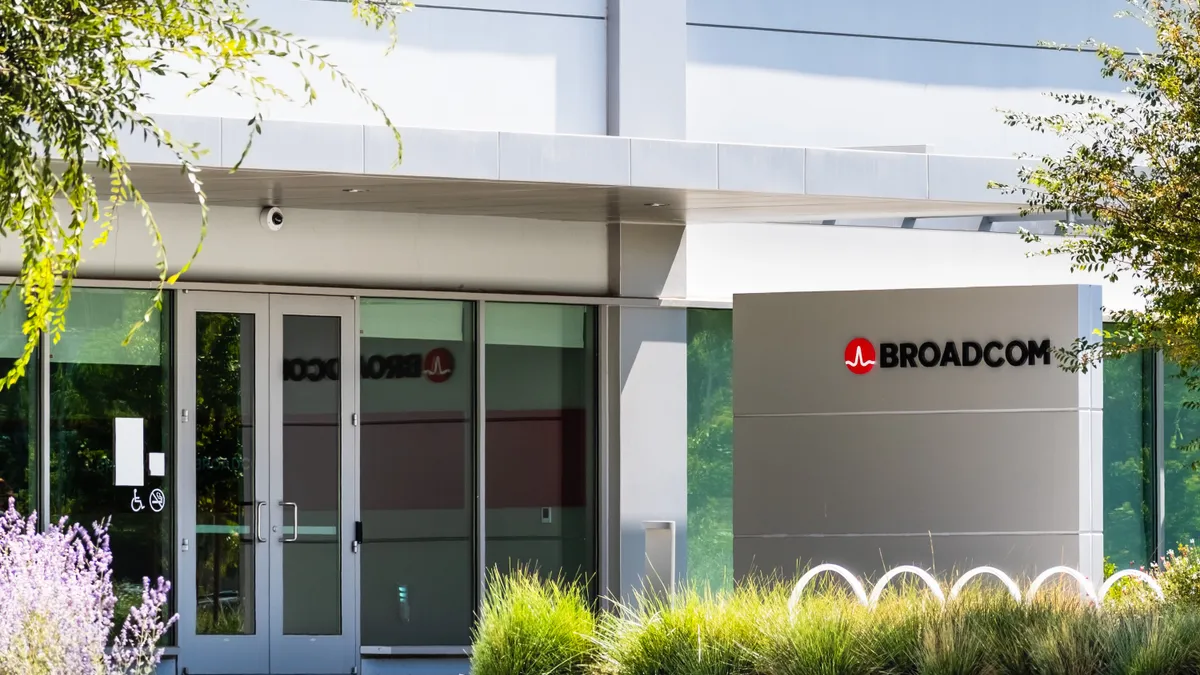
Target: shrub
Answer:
[[1179, 575], [532, 625], [57, 601]]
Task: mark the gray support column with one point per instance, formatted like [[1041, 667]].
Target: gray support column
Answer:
[[647, 59], [646, 385], [647, 441]]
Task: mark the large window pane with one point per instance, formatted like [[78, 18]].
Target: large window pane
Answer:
[[1182, 428], [18, 416], [1129, 477], [417, 484], [94, 379], [710, 447], [540, 454]]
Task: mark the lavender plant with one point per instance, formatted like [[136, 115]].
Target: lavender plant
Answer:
[[57, 600]]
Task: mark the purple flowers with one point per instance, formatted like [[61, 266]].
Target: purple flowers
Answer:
[[56, 604]]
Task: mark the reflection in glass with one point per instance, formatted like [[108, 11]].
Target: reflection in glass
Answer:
[[94, 378], [312, 589], [417, 476], [710, 447], [1129, 477], [541, 427], [18, 416], [225, 500], [1181, 431]]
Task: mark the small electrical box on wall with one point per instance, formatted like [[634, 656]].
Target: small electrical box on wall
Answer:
[[547, 514]]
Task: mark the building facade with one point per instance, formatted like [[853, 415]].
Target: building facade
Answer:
[[514, 348]]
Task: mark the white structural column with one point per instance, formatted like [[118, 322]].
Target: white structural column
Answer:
[[647, 62], [647, 408]]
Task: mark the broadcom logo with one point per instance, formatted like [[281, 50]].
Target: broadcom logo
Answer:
[[860, 356]]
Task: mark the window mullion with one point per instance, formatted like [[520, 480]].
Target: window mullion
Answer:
[[1160, 452]]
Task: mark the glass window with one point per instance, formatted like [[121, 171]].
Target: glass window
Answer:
[[1129, 476], [95, 379], [225, 474], [540, 454], [710, 447], [18, 416], [1181, 430], [417, 472]]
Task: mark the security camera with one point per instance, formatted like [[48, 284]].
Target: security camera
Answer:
[[271, 217]]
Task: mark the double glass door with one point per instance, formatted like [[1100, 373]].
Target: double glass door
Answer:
[[266, 533]]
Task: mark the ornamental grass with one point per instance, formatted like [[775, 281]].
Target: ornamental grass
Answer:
[[751, 631]]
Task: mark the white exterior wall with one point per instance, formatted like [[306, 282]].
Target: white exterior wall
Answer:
[[766, 258], [869, 73], [464, 64], [400, 251]]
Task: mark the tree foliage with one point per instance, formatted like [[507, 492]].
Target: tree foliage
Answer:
[[71, 90], [1131, 184]]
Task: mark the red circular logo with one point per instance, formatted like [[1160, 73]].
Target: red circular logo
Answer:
[[860, 356], [439, 365]]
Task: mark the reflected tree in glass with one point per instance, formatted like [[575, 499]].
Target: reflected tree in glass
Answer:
[[1129, 478], [710, 447], [18, 441], [1181, 420], [93, 380], [224, 474]]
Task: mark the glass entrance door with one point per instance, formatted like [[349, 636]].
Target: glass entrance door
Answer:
[[312, 571], [267, 499], [223, 431]]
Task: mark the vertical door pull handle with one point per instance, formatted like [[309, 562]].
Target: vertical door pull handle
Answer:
[[295, 521], [258, 518]]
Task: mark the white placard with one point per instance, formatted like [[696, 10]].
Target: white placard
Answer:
[[128, 452], [158, 464]]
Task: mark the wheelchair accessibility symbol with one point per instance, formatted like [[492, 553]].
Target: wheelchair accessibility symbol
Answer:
[[158, 501]]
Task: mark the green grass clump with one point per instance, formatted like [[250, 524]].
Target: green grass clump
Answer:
[[544, 627], [533, 626], [692, 632]]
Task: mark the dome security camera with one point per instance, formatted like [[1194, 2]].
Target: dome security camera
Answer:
[[271, 218]]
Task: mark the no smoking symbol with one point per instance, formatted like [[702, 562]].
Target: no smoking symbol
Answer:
[[157, 500]]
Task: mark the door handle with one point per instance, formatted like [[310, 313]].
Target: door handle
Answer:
[[258, 514], [295, 521]]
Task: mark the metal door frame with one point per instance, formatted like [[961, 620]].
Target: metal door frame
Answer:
[[246, 654], [304, 654]]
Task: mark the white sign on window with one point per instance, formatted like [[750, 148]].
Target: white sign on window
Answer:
[[129, 468]]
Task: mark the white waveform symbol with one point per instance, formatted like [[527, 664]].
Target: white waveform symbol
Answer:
[[437, 368], [859, 361]]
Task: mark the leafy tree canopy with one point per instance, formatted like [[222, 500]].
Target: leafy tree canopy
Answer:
[[1131, 181], [71, 90]]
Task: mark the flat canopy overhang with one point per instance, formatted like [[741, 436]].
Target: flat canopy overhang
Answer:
[[568, 178]]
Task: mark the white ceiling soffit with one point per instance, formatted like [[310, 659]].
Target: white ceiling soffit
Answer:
[[569, 178]]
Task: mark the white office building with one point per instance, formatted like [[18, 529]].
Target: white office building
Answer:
[[515, 347]]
